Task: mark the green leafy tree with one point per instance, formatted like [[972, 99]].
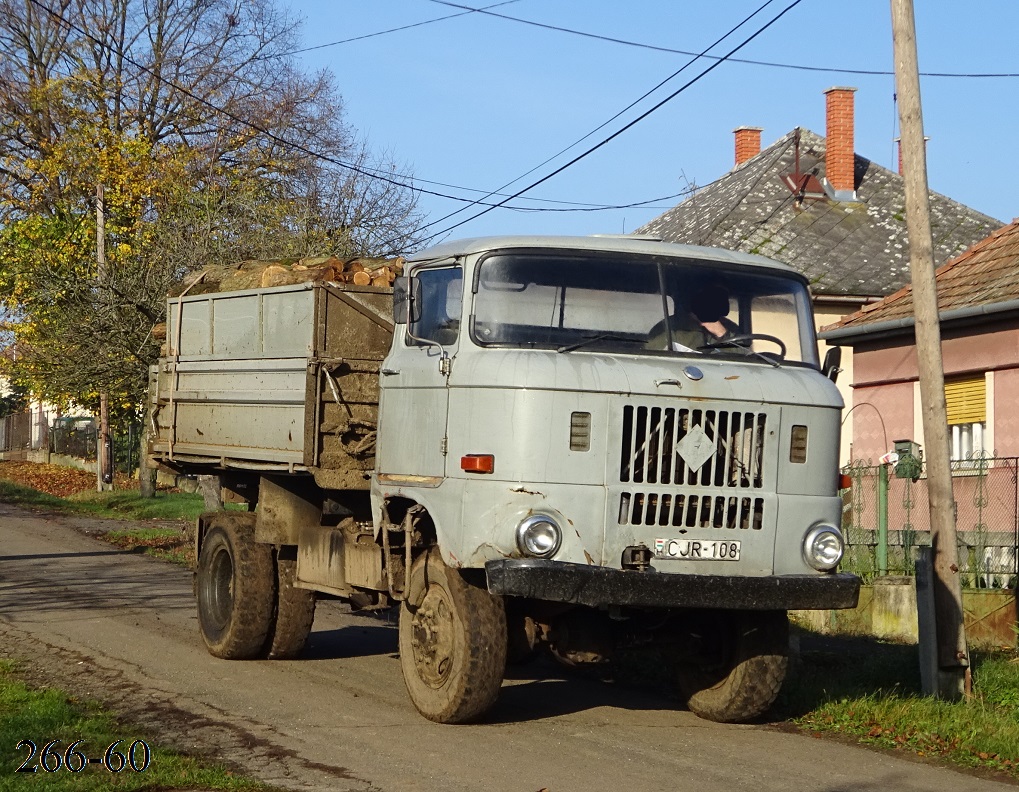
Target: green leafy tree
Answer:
[[212, 147]]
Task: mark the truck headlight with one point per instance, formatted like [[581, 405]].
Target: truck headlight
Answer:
[[823, 547], [539, 535]]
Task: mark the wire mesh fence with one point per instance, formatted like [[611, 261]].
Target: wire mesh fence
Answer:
[[78, 438], [886, 518]]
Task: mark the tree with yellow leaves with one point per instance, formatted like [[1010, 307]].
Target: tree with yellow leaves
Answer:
[[211, 146]]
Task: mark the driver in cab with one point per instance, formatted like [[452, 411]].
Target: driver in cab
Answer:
[[704, 326]]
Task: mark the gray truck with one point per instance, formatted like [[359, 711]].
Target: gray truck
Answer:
[[562, 443]]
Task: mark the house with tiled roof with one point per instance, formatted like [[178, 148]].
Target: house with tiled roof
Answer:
[[978, 309], [812, 202], [978, 312]]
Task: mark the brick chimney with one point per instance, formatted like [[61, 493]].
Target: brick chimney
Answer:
[[748, 143], [840, 145]]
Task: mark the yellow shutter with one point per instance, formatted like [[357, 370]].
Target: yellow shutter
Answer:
[[967, 400]]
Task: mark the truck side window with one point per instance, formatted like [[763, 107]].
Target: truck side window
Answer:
[[441, 299]]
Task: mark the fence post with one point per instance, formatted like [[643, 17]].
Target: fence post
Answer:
[[130, 448], [882, 520], [926, 621]]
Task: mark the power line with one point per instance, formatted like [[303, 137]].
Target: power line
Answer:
[[368, 172], [597, 207], [632, 123], [384, 32], [605, 123], [770, 64]]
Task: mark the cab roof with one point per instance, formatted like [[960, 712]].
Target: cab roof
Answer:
[[640, 245]]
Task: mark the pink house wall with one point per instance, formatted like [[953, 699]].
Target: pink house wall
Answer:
[[1006, 412], [881, 415], [885, 372]]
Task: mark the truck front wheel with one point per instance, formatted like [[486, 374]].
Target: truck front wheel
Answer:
[[236, 587], [452, 643], [738, 667]]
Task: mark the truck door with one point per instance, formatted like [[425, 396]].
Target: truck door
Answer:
[[415, 400]]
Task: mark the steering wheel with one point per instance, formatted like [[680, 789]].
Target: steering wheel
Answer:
[[736, 340]]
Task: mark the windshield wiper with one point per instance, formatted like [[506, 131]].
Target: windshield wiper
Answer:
[[593, 339], [734, 342]]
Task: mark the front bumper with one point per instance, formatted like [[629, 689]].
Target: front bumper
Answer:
[[556, 581]]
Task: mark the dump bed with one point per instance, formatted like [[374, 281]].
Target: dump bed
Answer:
[[278, 379]]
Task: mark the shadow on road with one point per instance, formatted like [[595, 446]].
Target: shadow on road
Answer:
[[543, 689], [353, 641], [46, 556]]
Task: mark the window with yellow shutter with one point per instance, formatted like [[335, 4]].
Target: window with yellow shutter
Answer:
[[966, 399]]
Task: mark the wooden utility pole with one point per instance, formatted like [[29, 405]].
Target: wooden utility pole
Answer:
[[952, 654], [104, 445]]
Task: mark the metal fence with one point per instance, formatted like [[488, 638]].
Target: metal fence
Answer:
[[78, 438], [885, 518], [16, 432]]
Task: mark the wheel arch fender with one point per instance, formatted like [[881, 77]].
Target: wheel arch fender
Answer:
[[438, 526]]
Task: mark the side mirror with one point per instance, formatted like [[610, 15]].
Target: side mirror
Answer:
[[832, 362], [406, 300]]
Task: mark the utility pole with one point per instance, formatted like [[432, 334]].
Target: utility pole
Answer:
[[950, 639], [104, 442]]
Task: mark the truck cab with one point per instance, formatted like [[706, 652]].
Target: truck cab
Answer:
[[617, 425]]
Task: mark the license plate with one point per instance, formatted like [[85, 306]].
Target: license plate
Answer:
[[697, 549]]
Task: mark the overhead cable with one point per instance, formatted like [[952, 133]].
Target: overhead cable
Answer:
[[770, 64], [627, 126], [601, 126], [384, 32], [368, 172]]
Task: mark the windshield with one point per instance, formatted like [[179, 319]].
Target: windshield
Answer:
[[642, 305]]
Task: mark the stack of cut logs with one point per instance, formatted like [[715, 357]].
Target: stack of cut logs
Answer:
[[262, 274]]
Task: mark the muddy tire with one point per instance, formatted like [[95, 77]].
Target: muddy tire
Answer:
[[236, 588], [740, 666], [295, 612], [452, 643]]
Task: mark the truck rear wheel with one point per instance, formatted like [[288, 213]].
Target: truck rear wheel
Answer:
[[295, 612], [452, 643], [740, 665], [236, 587]]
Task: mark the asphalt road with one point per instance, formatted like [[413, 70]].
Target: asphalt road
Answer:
[[121, 627]]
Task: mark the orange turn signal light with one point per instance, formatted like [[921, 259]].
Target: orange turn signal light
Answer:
[[845, 481], [478, 463]]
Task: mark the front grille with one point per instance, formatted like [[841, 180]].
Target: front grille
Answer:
[[691, 511], [729, 452]]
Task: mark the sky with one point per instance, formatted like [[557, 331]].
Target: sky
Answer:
[[469, 104]]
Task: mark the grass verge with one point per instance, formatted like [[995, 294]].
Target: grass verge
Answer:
[[869, 690], [43, 716], [117, 505]]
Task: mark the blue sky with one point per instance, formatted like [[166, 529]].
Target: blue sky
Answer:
[[475, 101]]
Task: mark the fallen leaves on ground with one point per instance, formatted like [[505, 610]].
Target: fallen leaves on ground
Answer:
[[53, 479]]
